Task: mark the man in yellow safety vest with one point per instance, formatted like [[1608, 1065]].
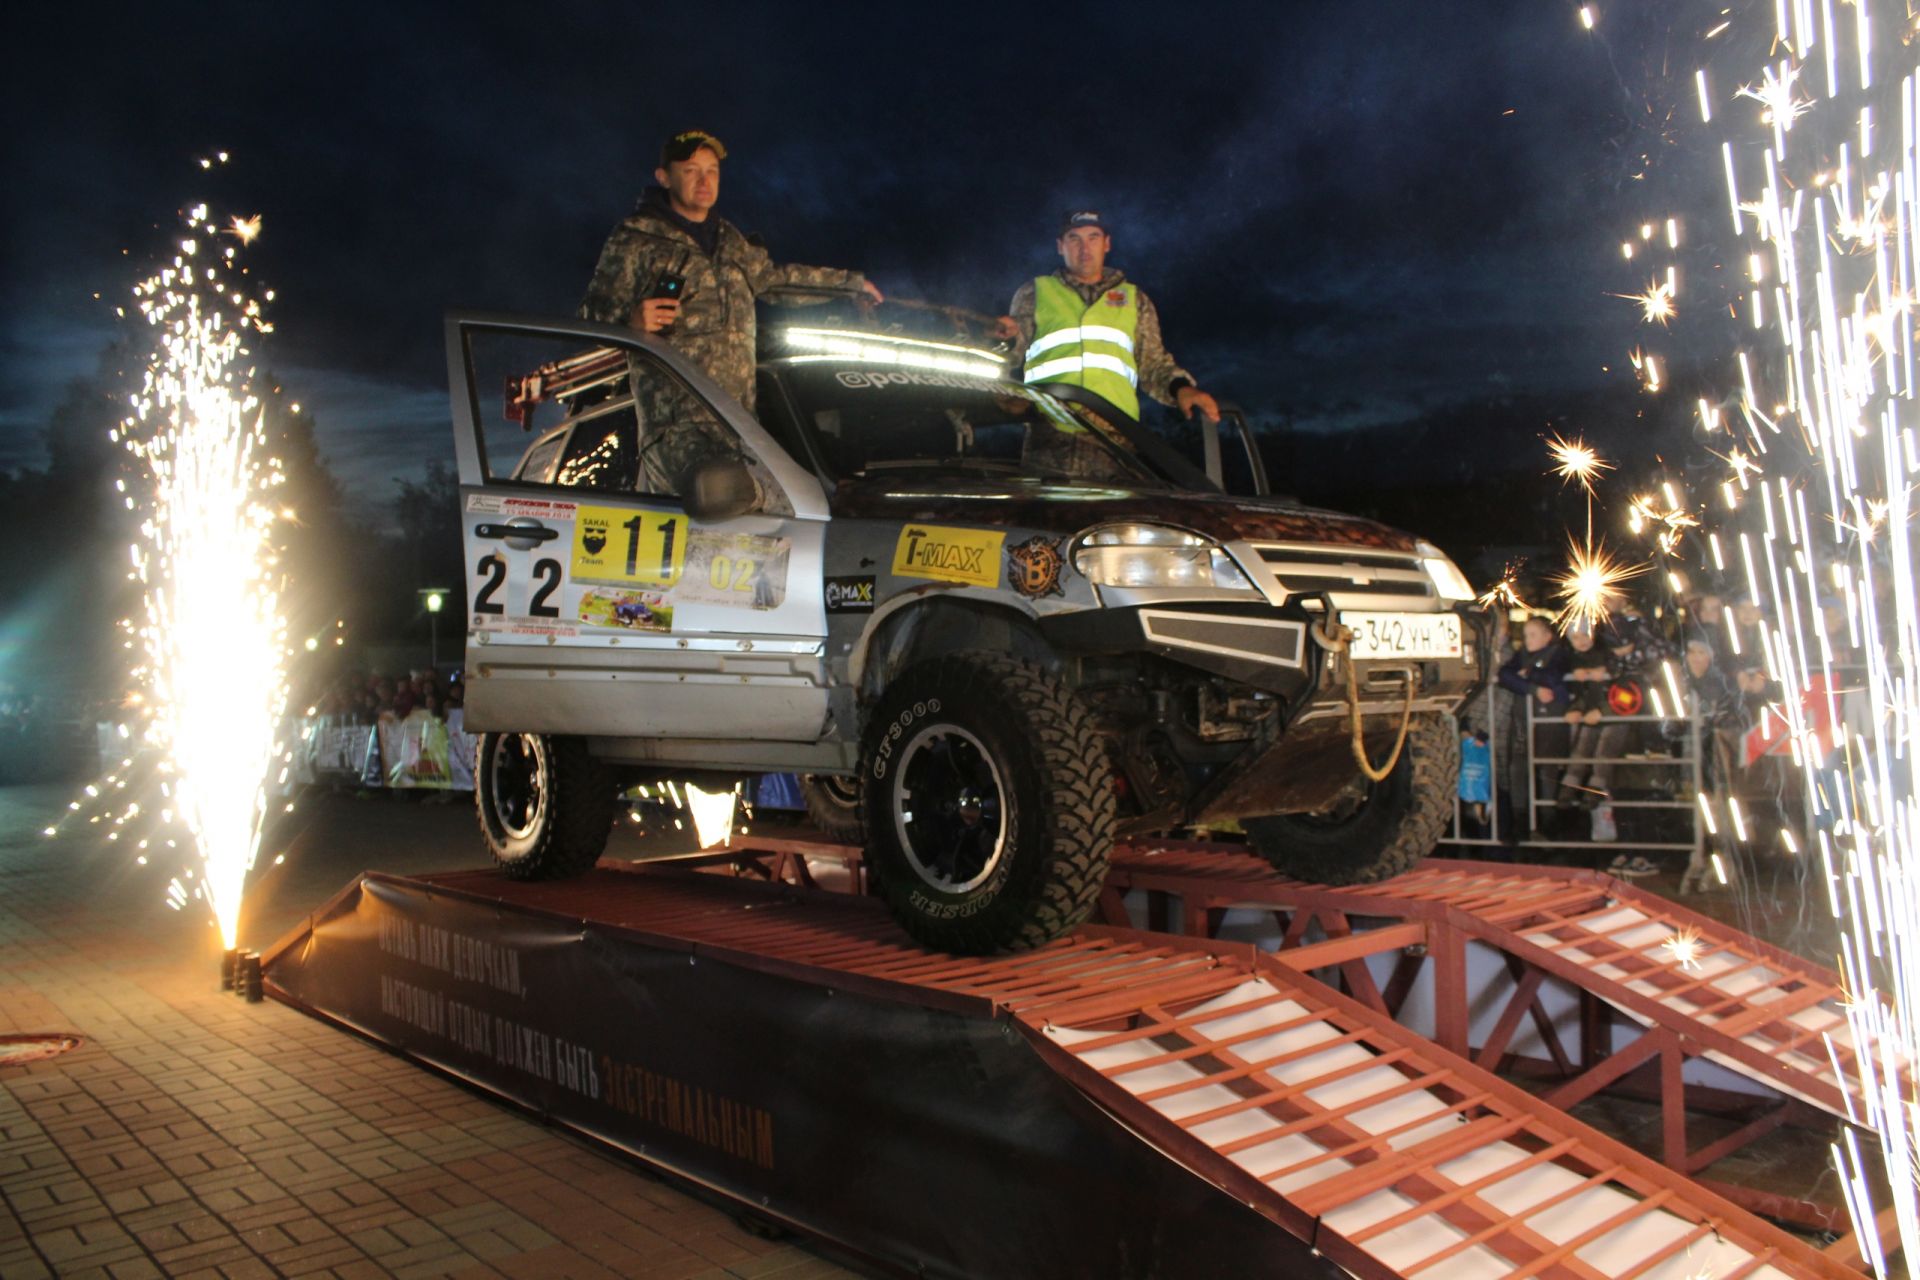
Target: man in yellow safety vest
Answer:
[[1086, 326]]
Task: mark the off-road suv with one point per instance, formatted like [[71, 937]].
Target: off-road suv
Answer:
[[997, 627]]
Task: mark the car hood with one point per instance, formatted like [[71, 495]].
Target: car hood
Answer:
[[1068, 509]]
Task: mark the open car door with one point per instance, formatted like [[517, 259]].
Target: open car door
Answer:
[[597, 603]]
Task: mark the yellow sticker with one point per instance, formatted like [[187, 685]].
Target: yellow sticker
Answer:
[[934, 551], [620, 546]]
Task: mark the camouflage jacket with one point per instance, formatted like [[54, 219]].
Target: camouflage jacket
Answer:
[[1160, 375], [716, 329]]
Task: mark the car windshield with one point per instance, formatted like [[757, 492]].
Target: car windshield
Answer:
[[867, 420]]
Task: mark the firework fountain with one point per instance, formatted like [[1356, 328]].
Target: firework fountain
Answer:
[[1816, 104], [211, 634]]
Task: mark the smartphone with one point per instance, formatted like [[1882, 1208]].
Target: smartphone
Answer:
[[669, 285]]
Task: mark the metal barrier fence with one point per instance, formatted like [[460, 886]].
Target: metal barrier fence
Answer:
[[1666, 774]]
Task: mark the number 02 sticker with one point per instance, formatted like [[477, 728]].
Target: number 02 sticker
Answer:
[[619, 547]]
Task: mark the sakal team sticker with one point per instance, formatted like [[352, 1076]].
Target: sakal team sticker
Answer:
[[971, 556], [734, 571], [620, 547], [627, 610]]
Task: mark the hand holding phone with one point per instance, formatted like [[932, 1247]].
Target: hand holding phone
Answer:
[[662, 307], [656, 315]]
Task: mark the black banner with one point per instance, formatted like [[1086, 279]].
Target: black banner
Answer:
[[929, 1141]]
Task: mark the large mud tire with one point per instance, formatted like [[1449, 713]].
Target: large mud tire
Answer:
[[1397, 823], [833, 806], [987, 799], [546, 806]]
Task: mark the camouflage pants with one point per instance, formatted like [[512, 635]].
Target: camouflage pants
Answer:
[[678, 430]]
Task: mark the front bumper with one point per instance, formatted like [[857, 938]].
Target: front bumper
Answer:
[[1274, 650], [1308, 763]]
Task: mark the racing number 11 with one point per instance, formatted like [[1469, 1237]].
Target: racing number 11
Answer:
[[668, 527]]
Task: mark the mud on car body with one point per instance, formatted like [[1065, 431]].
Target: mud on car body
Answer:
[[996, 627]]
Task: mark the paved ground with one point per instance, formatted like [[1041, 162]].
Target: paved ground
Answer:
[[194, 1134]]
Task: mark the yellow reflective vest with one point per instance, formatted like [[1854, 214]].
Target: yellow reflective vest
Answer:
[[1085, 345]]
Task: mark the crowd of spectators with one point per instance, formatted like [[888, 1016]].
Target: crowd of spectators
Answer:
[[43, 738], [1580, 704], [361, 698]]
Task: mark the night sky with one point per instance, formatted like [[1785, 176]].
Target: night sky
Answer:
[[1347, 214]]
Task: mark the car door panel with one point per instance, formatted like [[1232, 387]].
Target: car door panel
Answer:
[[616, 614]]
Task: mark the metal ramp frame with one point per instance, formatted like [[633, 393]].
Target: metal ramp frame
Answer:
[[1390, 1154], [1387, 1154], [1699, 988]]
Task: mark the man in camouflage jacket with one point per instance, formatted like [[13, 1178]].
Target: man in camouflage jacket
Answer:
[[673, 231]]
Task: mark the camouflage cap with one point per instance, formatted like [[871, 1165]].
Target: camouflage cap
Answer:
[[682, 145]]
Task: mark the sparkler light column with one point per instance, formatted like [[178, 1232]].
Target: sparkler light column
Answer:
[[213, 636], [1826, 191]]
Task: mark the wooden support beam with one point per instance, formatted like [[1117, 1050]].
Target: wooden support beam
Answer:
[[1524, 995], [1406, 970], [1449, 949], [1353, 946], [1605, 1072], [1758, 1127]]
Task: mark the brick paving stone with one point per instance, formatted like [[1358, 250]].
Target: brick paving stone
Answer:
[[317, 1255], [193, 1133]]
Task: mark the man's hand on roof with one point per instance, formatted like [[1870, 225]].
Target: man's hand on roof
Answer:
[[1189, 398], [1006, 328], [873, 291]]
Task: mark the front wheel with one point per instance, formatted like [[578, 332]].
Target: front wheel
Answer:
[[546, 805], [988, 804], [1380, 832], [833, 806]]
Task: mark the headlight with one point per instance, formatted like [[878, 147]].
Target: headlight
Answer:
[[1149, 555], [1446, 577]]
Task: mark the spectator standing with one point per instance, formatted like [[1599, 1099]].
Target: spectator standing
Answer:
[[1535, 675], [1595, 743]]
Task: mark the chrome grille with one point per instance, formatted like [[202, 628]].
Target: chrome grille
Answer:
[[1351, 576]]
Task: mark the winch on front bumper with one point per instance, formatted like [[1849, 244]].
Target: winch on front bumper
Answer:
[[1286, 662]]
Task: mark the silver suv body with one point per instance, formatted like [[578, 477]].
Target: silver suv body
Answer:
[[661, 582]]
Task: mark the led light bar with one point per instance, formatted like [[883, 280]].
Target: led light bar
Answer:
[[879, 348]]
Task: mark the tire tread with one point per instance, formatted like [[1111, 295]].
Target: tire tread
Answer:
[[1075, 797]]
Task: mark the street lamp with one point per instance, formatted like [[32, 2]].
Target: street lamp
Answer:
[[433, 599]]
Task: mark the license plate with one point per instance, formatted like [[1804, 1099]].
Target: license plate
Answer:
[[1403, 635]]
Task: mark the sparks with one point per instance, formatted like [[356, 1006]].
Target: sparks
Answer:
[[1684, 946], [213, 636], [1822, 199], [1656, 303], [1577, 461], [713, 813], [1648, 367], [1778, 105], [245, 230], [1505, 594], [1590, 587]]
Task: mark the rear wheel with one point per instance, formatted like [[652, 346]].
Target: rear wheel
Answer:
[[545, 804], [988, 804], [1379, 832], [833, 806]]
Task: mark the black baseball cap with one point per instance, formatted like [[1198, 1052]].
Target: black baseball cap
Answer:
[[1083, 218], [682, 145]]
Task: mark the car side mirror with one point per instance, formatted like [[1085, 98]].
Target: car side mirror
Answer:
[[718, 489]]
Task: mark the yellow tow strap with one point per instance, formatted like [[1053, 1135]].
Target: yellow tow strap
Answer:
[[1334, 639]]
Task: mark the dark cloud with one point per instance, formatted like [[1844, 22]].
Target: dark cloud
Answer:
[[1377, 206]]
